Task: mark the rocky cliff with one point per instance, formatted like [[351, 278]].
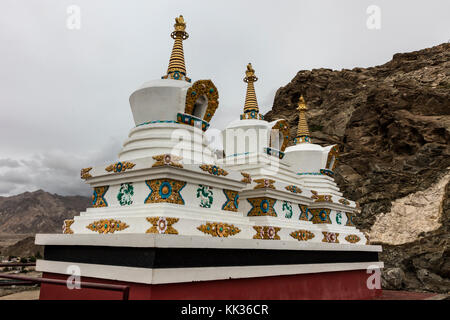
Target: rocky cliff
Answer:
[[392, 124]]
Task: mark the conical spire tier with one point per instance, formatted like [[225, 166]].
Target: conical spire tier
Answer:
[[177, 67], [251, 110], [302, 130]]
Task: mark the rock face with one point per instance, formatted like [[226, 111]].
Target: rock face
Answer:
[[392, 124], [38, 212]]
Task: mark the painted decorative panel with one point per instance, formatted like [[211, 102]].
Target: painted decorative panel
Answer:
[[321, 197], [293, 189], [107, 226], [120, 166], [262, 207], [162, 225], [66, 226], [167, 160], [165, 190], [287, 209], [302, 235], [205, 194], [304, 213], [266, 232], [214, 170], [352, 238], [98, 198], [264, 183], [320, 215], [85, 173], [232, 202], [330, 237], [219, 229], [349, 219], [125, 194]]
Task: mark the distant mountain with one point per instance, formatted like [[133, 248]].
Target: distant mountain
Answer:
[[38, 212]]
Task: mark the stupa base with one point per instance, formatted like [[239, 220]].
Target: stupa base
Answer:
[[160, 267]]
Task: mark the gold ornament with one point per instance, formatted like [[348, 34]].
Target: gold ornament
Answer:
[[207, 90], [107, 226], [85, 173], [247, 178], [120, 166], [66, 226], [264, 183], [266, 232], [330, 237], [167, 160], [162, 225], [214, 170], [321, 197], [219, 229], [352, 238], [302, 235]]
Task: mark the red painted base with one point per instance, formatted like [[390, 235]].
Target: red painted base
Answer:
[[327, 285]]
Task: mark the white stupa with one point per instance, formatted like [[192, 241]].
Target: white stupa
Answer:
[[167, 189]]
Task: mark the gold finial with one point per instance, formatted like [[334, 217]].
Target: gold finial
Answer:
[[251, 110], [302, 130], [177, 68]]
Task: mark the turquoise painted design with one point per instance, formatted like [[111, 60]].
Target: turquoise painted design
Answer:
[[165, 190], [339, 218], [274, 152], [287, 209], [327, 172], [156, 121], [310, 173], [98, 198], [189, 119], [238, 154], [232, 202], [125, 194], [205, 194], [302, 139]]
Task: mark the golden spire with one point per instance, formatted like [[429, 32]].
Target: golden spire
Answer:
[[177, 68], [251, 110], [302, 130]]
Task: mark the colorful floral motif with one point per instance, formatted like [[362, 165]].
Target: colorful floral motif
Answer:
[[232, 202], [320, 215], [352, 238], [214, 170], [266, 233], [85, 173], [264, 183], [327, 172], [107, 226], [262, 207], [162, 225], [287, 209], [98, 198], [120, 166], [66, 226], [330, 237], [167, 160], [302, 235], [321, 197], [125, 195], [293, 189], [205, 193], [165, 190], [219, 229]]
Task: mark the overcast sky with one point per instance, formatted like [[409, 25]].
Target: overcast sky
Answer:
[[64, 92]]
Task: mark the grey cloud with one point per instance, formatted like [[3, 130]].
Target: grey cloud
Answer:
[[9, 163]]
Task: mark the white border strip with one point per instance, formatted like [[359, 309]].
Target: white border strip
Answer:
[[178, 275], [178, 241]]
